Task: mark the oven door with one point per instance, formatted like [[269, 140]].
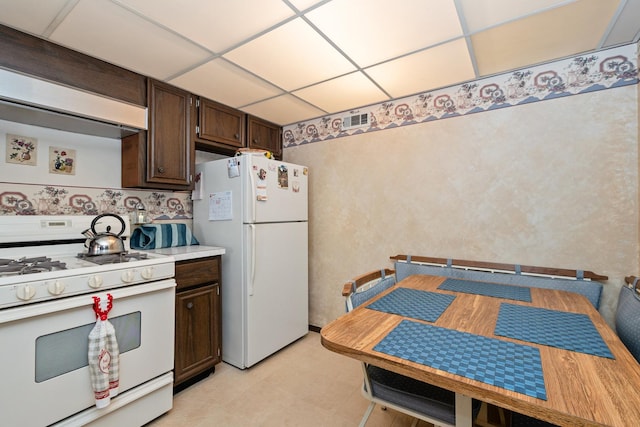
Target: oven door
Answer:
[[43, 363]]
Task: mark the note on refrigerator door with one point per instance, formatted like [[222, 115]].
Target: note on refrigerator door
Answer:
[[196, 194], [220, 206], [283, 177], [233, 169]]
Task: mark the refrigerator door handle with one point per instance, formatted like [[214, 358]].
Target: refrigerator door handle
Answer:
[[253, 195], [252, 272]]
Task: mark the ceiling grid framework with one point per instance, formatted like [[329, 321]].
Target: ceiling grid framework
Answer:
[[288, 61]]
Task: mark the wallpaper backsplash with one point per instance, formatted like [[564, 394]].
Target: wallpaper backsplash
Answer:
[[601, 70], [34, 199]]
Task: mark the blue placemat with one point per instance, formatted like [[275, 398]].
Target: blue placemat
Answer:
[[569, 331], [518, 293], [514, 367], [423, 305]]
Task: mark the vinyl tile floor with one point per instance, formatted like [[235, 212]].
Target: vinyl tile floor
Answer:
[[302, 385]]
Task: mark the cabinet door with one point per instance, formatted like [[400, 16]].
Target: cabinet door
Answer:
[[197, 341], [219, 123], [264, 135], [170, 152]]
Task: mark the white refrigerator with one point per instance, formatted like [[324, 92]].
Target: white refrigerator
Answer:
[[257, 209]]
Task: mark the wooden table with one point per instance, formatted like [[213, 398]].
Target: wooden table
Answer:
[[582, 390]]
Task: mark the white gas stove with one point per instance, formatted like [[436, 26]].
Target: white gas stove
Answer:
[[47, 287], [70, 275], [37, 272]]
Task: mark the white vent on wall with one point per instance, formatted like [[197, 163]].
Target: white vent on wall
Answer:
[[355, 121]]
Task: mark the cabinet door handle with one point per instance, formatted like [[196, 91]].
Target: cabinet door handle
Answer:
[[255, 140], [189, 305], [236, 136], [160, 169]]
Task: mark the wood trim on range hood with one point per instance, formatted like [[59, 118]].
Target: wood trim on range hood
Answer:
[[26, 99]]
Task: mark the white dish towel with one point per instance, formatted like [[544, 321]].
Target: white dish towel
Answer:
[[104, 355]]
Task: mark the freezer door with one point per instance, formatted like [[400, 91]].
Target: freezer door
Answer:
[[277, 287], [274, 191]]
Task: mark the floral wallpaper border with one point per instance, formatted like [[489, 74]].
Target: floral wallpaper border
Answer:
[[605, 69], [33, 199]]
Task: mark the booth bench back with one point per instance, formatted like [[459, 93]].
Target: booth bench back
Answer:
[[577, 281]]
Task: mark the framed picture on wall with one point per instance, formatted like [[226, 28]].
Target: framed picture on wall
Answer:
[[62, 160], [22, 150]]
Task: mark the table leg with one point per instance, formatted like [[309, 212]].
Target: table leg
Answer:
[[464, 416]]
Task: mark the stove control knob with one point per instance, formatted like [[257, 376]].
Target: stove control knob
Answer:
[[147, 273], [95, 281], [127, 276], [25, 292], [56, 287]]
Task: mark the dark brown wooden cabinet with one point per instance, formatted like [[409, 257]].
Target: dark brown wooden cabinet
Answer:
[[218, 127], [164, 156], [222, 129], [264, 135], [198, 332]]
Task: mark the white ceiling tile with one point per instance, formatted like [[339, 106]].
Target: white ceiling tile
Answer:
[[480, 14], [627, 26], [20, 14], [303, 4], [221, 81], [433, 68], [284, 110], [343, 93], [291, 56], [109, 32], [543, 37], [371, 31], [216, 25]]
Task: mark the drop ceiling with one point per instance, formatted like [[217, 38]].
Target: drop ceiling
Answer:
[[292, 60]]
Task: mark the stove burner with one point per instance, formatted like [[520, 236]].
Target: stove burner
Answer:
[[112, 258], [29, 265]]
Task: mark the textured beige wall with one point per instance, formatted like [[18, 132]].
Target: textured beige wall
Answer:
[[552, 183]]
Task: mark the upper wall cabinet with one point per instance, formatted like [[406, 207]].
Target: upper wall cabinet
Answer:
[[218, 127], [222, 129], [163, 157], [264, 135]]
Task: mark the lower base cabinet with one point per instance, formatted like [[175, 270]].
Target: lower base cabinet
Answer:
[[198, 331]]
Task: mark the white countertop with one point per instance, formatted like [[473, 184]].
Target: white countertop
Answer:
[[182, 253]]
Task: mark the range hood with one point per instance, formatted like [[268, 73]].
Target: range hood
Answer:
[[33, 101]]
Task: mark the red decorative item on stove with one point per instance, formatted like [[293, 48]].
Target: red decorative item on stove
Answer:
[[100, 313]]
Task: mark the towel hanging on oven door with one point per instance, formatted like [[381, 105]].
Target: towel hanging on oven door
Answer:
[[104, 355]]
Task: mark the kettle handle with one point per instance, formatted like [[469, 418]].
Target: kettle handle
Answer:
[[95, 221]]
